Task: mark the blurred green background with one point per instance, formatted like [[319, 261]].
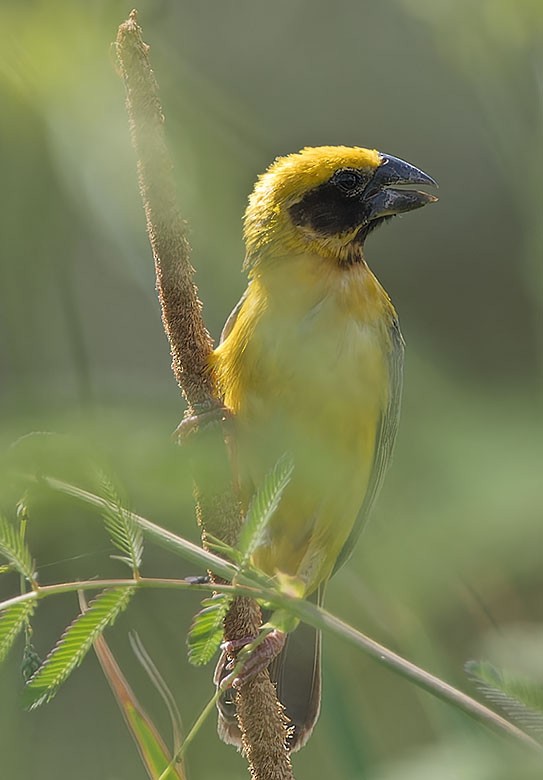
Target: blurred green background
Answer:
[[451, 566]]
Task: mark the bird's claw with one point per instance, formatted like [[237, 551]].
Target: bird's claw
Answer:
[[258, 660], [202, 416]]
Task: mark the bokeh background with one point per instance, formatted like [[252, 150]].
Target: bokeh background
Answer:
[[451, 567]]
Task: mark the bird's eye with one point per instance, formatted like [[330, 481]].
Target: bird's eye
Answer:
[[348, 181]]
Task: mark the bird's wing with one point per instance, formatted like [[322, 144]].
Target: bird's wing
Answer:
[[386, 436], [232, 317]]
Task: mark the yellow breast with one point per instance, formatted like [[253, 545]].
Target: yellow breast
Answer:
[[305, 370]]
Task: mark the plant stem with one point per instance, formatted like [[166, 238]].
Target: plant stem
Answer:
[[321, 619], [167, 539], [315, 616], [262, 722]]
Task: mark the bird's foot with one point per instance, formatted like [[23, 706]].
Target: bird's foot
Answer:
[[203, 414], [258, 658]]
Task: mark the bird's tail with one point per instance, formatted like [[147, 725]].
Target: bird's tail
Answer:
[[297, 674]]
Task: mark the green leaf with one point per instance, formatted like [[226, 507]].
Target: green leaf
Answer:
[[12, 621], [207, 629], [152, 748], [14, 549], [282, 620], [221, 548], [31, 660], [263, 505], [519, 698], [125, 533], [74, 645]]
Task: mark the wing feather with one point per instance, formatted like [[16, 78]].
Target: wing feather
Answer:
[[386, 437], [232, 317]]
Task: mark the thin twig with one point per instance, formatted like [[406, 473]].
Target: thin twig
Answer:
[[304, 610], [261, 718], [321, 619]]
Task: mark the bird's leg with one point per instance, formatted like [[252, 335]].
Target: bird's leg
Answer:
[[201, 417], [259, 657], [198, 417]]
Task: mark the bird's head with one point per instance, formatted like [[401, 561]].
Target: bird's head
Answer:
[[325, 200]]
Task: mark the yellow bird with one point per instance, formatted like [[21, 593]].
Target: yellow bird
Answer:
[[310, 363]]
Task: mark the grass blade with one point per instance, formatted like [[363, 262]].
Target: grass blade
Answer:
[[151, 747], [74, 645], [160, 686]]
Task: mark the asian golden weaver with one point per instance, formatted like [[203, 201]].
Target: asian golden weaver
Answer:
[[310, 363]]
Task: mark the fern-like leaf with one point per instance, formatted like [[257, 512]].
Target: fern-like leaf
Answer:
[[74, 645], [124, 532], [31, 661], [519, 698], [12, 621], [207, 630], [14, 549], [263, 505]]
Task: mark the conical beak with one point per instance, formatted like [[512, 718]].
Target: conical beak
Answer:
[[384, 200], [395, 171]]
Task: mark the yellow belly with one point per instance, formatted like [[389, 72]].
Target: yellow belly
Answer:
[[305, 369]]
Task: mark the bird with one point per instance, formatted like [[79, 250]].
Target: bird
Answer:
[[310, 362]]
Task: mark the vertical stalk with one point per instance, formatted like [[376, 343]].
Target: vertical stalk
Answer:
[[261, 718]]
